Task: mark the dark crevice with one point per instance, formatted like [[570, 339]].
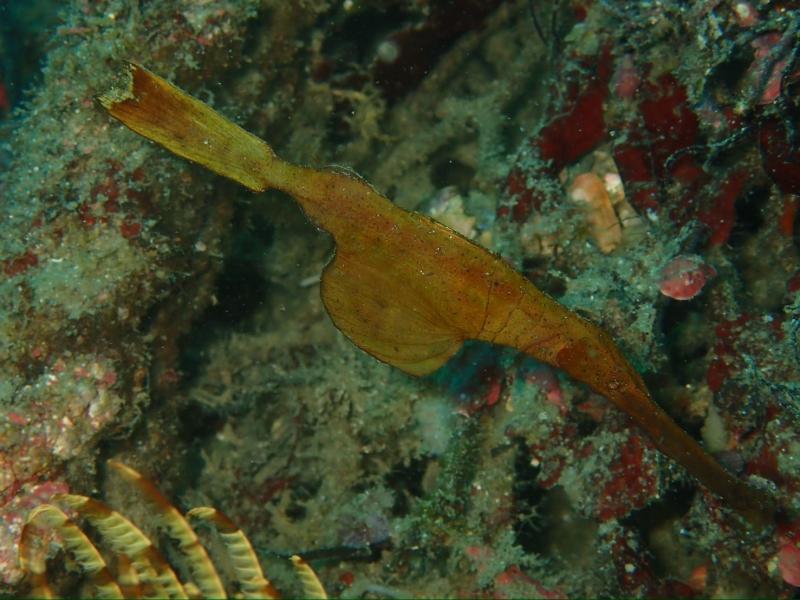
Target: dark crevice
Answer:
[[240, 292], [749, 216], [659, 517], [406, 480], [452, 172], [685, 334], [528, 496]]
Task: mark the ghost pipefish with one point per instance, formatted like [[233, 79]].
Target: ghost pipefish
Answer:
[[408, 290]]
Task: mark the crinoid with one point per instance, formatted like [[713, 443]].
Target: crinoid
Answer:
[[139, 569]]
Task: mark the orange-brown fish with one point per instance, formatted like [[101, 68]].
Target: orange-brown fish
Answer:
[[408, 290]]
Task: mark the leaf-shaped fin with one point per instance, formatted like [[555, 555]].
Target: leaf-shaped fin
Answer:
[[403, 287], [402, 332], [156, 109]]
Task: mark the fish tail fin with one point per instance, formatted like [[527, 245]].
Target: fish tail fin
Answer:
[[159, 111]]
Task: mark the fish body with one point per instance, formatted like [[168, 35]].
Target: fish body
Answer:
[[409, 290]]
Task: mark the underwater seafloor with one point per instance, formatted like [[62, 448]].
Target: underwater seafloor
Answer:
[[639, 161]]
